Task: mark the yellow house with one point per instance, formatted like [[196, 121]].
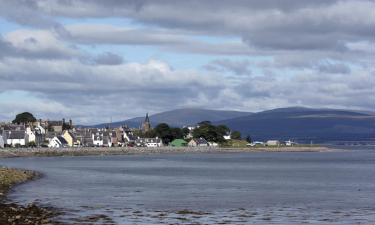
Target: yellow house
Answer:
[[70, 138]]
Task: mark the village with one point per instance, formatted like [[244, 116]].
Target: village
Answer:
[[62, 134]]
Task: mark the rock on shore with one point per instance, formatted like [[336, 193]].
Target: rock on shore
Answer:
[[14, 214]]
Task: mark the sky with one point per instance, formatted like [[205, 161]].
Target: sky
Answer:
[[92, 60]]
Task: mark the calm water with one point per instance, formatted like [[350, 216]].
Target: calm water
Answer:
[[240, 188]]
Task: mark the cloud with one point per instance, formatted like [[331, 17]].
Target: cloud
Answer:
[[166, 40], [291, 25], [328, 67], [237, 67], [108, 58], [36, 44], [85, 88], [256, 55]]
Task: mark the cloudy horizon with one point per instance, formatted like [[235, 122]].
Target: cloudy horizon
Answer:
[[92, 60]]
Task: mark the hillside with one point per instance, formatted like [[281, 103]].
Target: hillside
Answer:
[[305, 125], [181, 117]]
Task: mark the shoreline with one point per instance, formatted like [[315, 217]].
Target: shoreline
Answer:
[[92, 151], [13, 213]]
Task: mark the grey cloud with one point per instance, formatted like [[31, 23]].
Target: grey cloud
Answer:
[[292, 24], [166, 40], [6, 48], [107, 34], [26, 13], [305, 46], [334, 68], [32, 48], [108, 58], [241, 67], [105, 89]]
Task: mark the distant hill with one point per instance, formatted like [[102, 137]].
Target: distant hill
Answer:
[[305, 125], [180, 117]]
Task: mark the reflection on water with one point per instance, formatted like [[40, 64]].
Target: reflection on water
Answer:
[[246, 188]]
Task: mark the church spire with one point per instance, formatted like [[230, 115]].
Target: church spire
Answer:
[[147, 119], [146, 126]]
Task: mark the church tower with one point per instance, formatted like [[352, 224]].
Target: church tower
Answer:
[[146, 126]]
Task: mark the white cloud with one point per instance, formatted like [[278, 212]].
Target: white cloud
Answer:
[[295, 52]]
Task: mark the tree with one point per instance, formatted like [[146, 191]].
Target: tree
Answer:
[[149, 134], [185, 131], [210, 132], [24, 118], [236, 135], [163, 131], [176, 133], [248, 139], [167, 133], [223, 130]]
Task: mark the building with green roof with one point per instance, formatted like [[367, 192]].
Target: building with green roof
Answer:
[[178, 143]]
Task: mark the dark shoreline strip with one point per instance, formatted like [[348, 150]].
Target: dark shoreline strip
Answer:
[[84, 151]]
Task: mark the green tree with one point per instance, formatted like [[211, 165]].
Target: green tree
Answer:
[[149, 134], [222, 129], [176, 133], [163, 131], [248, 139], [185, 131], [167, 133], [24, 118], [236, 135], [210, 132]]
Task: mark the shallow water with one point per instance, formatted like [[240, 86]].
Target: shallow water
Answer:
[[235, 188]]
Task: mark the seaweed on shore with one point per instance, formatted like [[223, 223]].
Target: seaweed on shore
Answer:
[[15, 214]]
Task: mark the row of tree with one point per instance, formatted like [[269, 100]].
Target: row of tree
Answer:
[[205, 129]]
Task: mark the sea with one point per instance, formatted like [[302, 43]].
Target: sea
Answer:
[[335, 187]]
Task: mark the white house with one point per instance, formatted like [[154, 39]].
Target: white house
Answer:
[[198, 142], [40, 129], [213, 144], [30, 135], [57, 142], [273, 143], [227, 137], [129, 136], [102, 139], [1, 142], [290, 143], [15, 137], [149, 142], [256, 143], [97, 140]]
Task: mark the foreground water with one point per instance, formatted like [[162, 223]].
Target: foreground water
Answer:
[[236, 188]]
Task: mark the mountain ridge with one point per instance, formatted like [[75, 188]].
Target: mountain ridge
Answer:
[[179, 117], [297, 123], [306, 125]]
